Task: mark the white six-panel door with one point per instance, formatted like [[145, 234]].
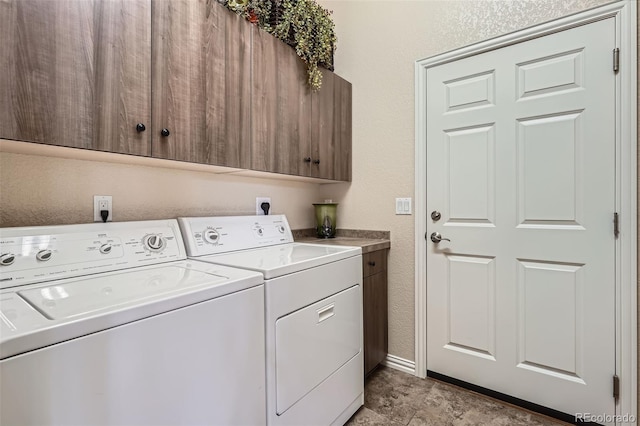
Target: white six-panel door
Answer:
[[521, 168]]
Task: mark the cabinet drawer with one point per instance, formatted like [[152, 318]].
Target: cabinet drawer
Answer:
[[374, 262]]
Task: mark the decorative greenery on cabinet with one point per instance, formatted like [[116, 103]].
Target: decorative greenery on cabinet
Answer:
[[302, 24]]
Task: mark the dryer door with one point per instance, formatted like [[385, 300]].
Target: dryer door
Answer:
[[315, 341]]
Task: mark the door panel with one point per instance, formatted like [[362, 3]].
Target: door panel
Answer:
[[520, 163], [471, 288], [549, 185], [550, 318], [471, 173]]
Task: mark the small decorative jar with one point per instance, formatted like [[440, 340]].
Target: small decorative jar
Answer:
[[326, 219]]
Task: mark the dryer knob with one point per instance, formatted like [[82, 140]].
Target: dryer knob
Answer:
[[106, 248], [7, 259], [155, 242], [44, 255], [211, 236]]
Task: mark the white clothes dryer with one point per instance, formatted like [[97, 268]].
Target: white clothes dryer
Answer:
[[109, 324], [313, 308]]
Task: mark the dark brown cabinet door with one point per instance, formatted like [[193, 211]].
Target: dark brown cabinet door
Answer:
[[201, 56], [331, 128], [374, 302], [375, 320], [281, 108], [76, 73]]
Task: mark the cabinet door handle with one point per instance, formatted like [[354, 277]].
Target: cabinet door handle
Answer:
[[372, 263], [316, 161], [165, 132], [140, 127], [307, 159]]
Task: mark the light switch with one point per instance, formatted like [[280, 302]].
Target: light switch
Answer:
[[403, 205]]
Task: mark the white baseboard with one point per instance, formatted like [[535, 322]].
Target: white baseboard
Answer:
[[401, 364]]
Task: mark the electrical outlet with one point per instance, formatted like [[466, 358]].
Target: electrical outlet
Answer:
[[259, 201], [102, 202]]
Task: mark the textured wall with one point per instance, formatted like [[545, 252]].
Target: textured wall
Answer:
[[378, 44], [39, 190]]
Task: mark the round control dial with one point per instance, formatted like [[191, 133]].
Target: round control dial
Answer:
[[7, 259], [44, 255], [211, 236], [154, 242], [106, 248]]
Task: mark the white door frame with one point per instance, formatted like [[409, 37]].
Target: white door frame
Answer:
[[624, 13]]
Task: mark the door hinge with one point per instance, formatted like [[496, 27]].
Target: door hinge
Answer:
[[616, 225], [616, 387], [616, 59]]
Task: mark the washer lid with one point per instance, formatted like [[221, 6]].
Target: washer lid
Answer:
[[44, 314], [284, 259], [75, 298]]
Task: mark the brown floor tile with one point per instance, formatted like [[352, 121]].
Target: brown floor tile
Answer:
[[396, 398], [365, 416]]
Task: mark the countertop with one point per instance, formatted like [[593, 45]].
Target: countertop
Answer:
[[368, 240]]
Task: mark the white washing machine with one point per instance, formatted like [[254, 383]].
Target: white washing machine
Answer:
[[313, 308], [109, 324]]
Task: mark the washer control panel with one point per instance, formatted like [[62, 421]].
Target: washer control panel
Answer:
[[214, 235], [38, 254]]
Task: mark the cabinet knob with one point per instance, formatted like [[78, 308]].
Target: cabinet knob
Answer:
[[140, 127], [316, 161], [372, 263], [307, 159], [165, 132]]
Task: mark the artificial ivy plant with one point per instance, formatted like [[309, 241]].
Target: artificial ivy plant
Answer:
[[303, 24]]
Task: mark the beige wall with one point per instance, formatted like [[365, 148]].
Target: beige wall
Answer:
[[378, 44], [38, 190]]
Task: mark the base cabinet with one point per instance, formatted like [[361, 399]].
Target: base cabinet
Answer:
[[375, 316]]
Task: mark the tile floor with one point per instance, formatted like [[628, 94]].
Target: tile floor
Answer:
[[394, 398]]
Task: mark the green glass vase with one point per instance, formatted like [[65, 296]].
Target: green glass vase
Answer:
[[326, 219]]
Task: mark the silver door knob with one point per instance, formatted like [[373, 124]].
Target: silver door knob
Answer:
[[436, 238]]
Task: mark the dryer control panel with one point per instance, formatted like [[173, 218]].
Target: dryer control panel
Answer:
[[37, 254], [214, 235]]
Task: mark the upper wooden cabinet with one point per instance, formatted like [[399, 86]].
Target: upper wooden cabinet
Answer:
[[297, 131], [184, 80], [281, 108], [76, 73], [201, 73], [331, 128]]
